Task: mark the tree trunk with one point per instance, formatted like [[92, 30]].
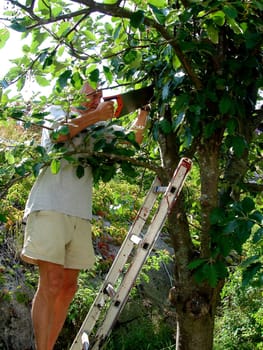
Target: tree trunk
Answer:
[[195, 304], [195, 311]]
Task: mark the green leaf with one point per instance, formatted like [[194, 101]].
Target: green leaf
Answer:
[[218, 17], [108, 74], [80, 171], [109, 2], [178, 121], [231, 126], [225, 104], [234, 26], [61, 130], [10, 158], [20, 169], [165, 126], [90, 36], [176, 62], [258, 235], [137, 18], [63, 28], [221, 269], [3, 218], [230, 11], [230, 227], [63, 79], [248, 205], [244, 231], [55, 166], [20, 83], [94, 75], [165, 91], [158, 14], [107, 173], [251, 272], [130, 56], [239, 145], [4, 36], [196, 263], [212, 33], [158, 3], [217, 216], [257, 216], [18, 27], [211, 274], [76, 80], [48, 59], [128, 169], [42, 81], [36, 169], [117, 32]]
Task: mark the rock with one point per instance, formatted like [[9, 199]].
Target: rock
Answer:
[[15, 298]]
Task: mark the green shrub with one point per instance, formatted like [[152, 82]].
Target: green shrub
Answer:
[[239, 325]]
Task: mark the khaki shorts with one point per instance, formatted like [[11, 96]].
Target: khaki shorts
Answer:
[[58, 238]]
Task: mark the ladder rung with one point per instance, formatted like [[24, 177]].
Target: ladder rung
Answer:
[[110, 290], [160, 189], [135, 239], [85, 341]]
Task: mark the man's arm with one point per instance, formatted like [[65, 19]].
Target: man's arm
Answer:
[[104, 111], [139, 125]]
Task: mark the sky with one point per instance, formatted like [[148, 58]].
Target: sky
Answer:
[[12, 48]]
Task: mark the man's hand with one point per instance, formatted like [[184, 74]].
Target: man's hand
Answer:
[[104, 111]]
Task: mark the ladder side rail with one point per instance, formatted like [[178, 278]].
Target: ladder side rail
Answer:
[[118, 264], [143, 251], [136, 228]]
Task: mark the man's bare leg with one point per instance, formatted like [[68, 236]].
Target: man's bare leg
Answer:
[[48, 317], [62, 304]]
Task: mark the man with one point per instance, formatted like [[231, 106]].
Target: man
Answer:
[[58, 230]]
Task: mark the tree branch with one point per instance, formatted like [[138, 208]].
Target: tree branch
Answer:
[[117, 11]]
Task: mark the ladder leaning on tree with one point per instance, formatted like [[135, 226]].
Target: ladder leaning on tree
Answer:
[[116, 287]]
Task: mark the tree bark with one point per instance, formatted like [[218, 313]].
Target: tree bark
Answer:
[[195, 304]]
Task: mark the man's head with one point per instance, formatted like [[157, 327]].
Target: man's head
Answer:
[[91, 99]]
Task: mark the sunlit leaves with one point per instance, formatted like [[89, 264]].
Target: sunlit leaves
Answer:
[[4, 36], [158, 14], [42, 81], [212, 33], [76, 80], [108, 74], [218, 17], [9, 157], [158, 3], [55, 166], [109, 2]]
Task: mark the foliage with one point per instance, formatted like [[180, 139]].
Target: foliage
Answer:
[[149, 336], [239, 323], [204, 60]]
